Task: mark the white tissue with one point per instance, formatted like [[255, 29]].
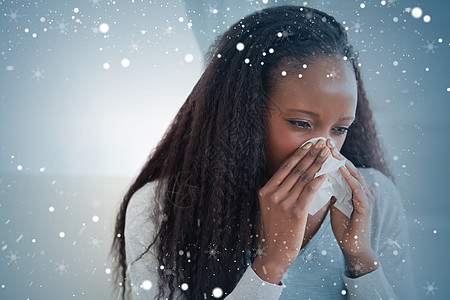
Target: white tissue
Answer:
[[335, 185]]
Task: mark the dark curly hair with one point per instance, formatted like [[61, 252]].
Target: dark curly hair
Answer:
[[212, 157]]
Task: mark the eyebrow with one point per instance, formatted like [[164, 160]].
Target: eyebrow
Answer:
[[316, 114]]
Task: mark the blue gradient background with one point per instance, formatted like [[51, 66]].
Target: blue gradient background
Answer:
[[73, 135]]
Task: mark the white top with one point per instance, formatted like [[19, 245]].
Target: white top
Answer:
[[319, 271]]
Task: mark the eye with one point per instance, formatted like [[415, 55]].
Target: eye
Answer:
[[340, 130], [300, 124]]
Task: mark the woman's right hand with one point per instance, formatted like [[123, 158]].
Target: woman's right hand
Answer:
[[284, 202]]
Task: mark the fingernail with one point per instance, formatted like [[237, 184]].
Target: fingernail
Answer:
[[324, 152], [319, 144], [307, 145]]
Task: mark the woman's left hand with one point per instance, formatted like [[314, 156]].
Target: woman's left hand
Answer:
[[353, 234]]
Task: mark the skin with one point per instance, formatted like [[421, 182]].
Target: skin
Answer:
[[300, 109]]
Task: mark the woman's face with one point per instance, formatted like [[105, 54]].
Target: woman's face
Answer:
[[320, 103]]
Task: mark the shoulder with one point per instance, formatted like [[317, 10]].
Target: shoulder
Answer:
[[141, 200], [139, 226], [387, 196], [375, 177], [383, 186], [388, 205]]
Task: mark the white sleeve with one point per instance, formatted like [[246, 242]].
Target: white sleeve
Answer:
[[143, 272], [251, 286], [139, 233], [393, 277]]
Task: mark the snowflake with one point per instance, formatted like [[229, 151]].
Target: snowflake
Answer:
[[430, 288], [95, 243], [61, 267], [95, 3], [357, 26], [308, 257], [213, 252], [261, 251], [62, 27], [391, 2], [213, 10], [12, 257], [286, 275], [430, 46], [285, 33], [393, 243], [134, 47], [169, 30], [37, 74], [257, 6], [333, 74], [13, 16]]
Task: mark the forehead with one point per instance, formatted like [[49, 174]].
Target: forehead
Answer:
[[319, 83]]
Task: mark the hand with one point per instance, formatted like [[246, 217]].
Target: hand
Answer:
[[284, 202], [353, 234]]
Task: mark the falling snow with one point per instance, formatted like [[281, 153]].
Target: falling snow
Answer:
[[146, 285], [61, 267], [13, 16], [333, 74], [217, 292], [95, 3], [393, 243], [95, 243], [430, 288], [38, 74], [13, 257], [357, 26], [307, 257], [430, 46], [103, 28], [416, 12], [213, 253], [62, 27], [124, 36]]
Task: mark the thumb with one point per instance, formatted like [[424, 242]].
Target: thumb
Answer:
[[332, 207], [333, 200]]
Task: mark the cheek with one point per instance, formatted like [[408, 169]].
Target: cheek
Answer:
[[281, 143]]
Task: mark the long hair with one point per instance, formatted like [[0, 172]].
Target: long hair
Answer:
[[212, 157]]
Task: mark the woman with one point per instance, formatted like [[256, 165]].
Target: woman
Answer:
[[230, 183]]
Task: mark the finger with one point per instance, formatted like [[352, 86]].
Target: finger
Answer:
[[334, 150], [339, 215], [302, 203], [285, 169], [307, 168], [355, 172], [306, 178], [354, 184], [361, 202], [372, 198]]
